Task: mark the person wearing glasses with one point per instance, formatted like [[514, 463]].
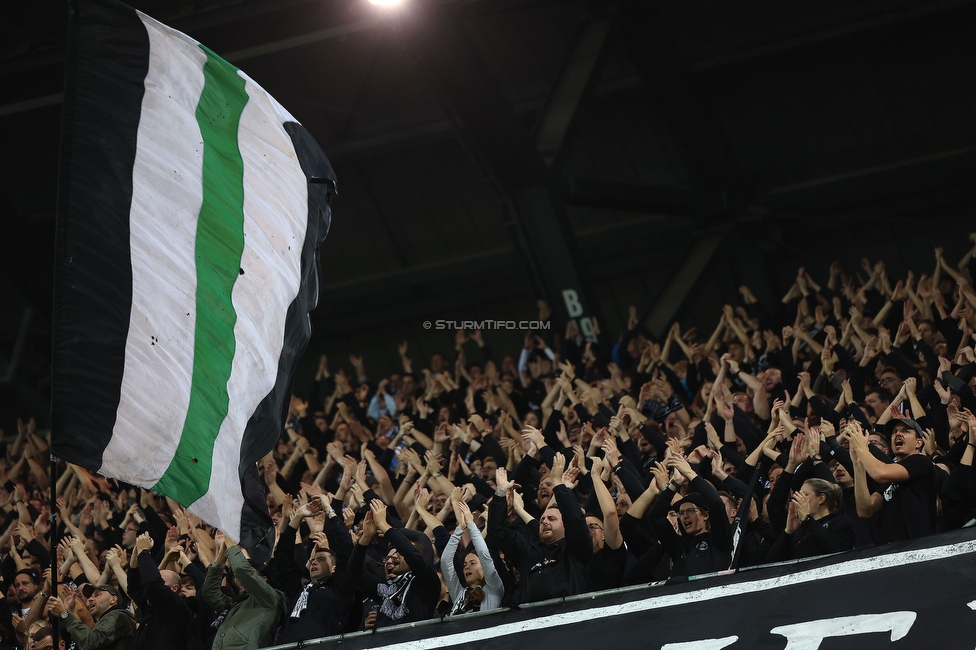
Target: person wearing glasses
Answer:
[[704, 543], [409, 586], [609, 553]]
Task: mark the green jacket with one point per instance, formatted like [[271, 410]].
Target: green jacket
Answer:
[[113, 631], [250, 623]]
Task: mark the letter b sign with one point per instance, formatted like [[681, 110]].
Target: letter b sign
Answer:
[[572, 301]]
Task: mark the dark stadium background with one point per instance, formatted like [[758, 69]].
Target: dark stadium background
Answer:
[[642, 152]]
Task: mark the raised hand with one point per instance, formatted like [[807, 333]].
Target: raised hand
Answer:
[[558, 467], [361, 475], [798, 451], [610, 450], [793, 521], [928, 439], [378, 508], [369, 528], [422, 499], [465, 512], [597, 467], [683, 467], [502, 484], [909, 386], [433, 462], [144, 542], [518, 503], [579, 457], [827, 429], [660, 473], [533, 435], [571, 477]]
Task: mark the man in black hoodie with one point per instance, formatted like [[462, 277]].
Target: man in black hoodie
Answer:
[[705, 542], [319, 597], [411, 587], [552, 559], [163, 613]]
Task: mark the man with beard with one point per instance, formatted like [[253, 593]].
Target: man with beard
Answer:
[[25, 588], [552, 562], [409, 588], [319, 600], [97, 621]]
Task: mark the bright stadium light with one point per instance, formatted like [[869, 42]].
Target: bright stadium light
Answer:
[[386, 3]]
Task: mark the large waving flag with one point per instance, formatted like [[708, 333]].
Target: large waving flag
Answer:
[[190, 208]]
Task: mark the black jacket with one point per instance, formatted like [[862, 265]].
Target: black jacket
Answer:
[[329, 598], [705, 553], [163, 614], [424, 590], [830, 534], [545, 571]]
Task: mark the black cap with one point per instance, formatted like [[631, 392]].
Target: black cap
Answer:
[[30, 573], [88, 589], [693, 497]]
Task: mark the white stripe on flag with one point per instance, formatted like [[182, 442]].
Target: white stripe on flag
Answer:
[[155, 388], [275, 221], [156, 383]]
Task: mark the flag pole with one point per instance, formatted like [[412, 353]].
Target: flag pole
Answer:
[[72, 11], [738, 524], [55, 568]]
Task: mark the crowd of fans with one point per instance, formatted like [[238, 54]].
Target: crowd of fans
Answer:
[[842, 418]]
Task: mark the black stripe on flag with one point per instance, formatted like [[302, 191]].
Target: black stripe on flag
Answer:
[[264, 427], [107, 63]]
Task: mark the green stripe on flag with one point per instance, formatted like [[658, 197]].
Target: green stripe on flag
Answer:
[[218, 250]]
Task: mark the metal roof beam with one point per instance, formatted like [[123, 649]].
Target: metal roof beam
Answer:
[[575, 83], [592, 193], [873, 184]]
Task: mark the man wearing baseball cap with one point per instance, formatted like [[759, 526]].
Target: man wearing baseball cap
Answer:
[[906, 509], [114, 627], [704, 544]]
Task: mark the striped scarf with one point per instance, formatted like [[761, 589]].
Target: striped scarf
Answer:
[[394, 595], [302, 601]]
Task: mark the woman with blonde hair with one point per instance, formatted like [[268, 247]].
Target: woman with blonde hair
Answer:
[[814, 525]]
